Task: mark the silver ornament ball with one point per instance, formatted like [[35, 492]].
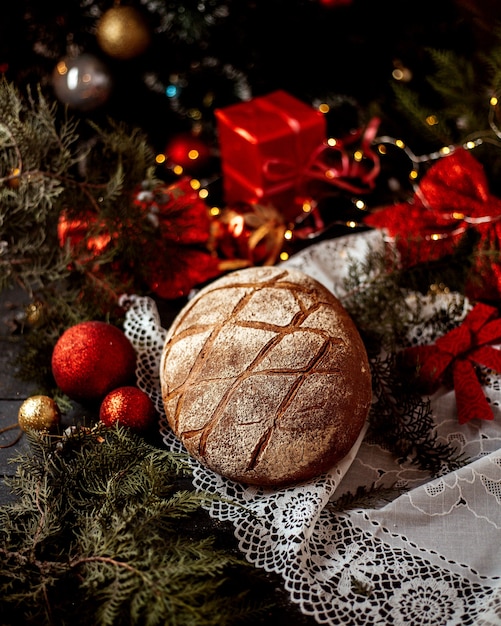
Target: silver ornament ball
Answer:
[[82, 82]]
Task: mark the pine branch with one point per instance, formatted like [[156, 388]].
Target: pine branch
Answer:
[[48, 173], [411, 105], [452, 74], [45, 168], [383, 283], [401, 420], [98, 517], [455, 102], [366, 497], [374, 285]]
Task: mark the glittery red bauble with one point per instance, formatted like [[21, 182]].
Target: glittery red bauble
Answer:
[[92, 358], [128, 406]]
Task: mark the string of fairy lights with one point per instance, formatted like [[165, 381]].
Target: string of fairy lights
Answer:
[[380, 144]]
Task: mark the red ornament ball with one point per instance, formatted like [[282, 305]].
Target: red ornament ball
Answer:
[[334, 4], [128, 406], [92, 358], [188, 151]]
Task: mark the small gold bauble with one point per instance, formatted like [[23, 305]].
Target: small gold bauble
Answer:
[[13, 179], [38, 413], [34, 313], [123, 33]]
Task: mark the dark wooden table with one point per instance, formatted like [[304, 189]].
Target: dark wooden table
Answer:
[[13, 392]]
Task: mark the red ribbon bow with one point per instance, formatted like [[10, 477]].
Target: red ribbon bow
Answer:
[[453, 357], [452, 197]]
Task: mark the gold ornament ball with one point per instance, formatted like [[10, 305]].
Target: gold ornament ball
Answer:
[[13, 178], [38, 413], [34, 313], [123, 33]]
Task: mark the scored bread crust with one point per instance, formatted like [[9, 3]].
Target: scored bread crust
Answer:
[[265, 378]]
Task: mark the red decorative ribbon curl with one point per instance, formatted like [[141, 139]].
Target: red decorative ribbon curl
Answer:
[[453, 357], [336, 165], [452, 197]]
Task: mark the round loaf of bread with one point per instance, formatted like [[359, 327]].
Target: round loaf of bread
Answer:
[[265, 378]]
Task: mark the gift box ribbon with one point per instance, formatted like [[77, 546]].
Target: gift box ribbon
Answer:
[[280, 172], [337, 166], [333, 165], [455, 355]]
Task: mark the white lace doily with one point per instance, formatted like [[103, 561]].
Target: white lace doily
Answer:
[[429, 557]]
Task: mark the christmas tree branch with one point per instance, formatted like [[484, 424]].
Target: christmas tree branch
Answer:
[[97, 512]]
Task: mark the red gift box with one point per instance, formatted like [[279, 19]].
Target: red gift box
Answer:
[[265, 144]]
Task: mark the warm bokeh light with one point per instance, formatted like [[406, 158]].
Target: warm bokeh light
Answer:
[[62, 68]]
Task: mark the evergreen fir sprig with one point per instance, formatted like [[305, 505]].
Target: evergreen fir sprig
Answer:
[[452, 100], [100, 533], [492, 59], [383, 281], [454, 81], [372, 286], [366, 497], [33, 156], [49, 165], [455, 108], [402, 421]]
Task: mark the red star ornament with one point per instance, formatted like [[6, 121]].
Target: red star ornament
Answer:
[[453, 357]]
